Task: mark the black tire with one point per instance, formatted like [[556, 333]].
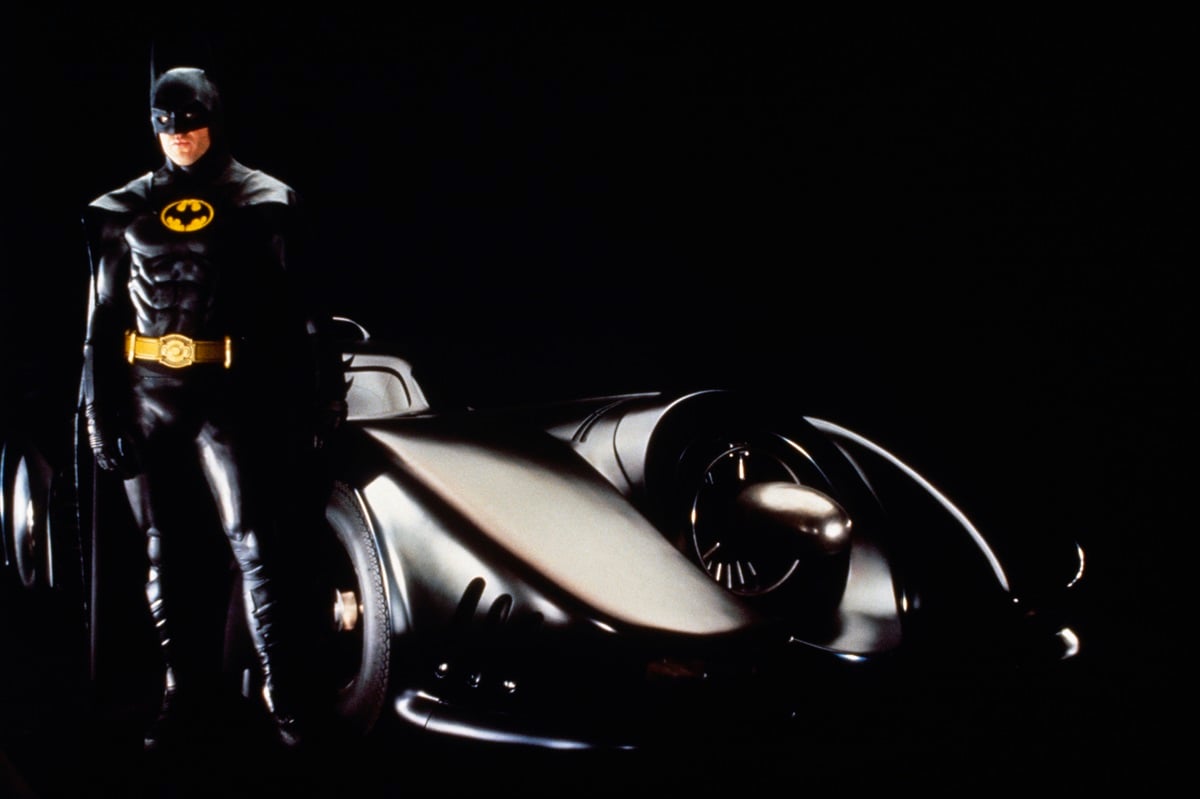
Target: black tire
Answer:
[[7, 468], [364, 675], [25, 478]]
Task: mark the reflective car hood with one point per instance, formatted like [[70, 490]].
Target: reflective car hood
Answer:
[[551, 511]]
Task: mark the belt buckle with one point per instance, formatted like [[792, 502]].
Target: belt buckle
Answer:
[[176, 350]]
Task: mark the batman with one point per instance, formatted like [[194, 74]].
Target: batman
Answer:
[[200, 352]]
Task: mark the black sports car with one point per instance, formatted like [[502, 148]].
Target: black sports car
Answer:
[[593, 573]]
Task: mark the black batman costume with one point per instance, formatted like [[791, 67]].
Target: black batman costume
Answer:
[[197, 347]]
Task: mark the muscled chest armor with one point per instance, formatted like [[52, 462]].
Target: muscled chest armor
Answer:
[[200, 254], [194, 265], [174, 275]]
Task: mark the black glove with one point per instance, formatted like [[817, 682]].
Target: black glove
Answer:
[[330, 418], [111, 452]]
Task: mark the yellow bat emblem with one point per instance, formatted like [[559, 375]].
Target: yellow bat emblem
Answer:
[[185, 216]]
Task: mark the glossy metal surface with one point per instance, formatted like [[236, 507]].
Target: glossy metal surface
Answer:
[[25, 515], [742, 543], [514, 551], [554, 517], [429, 713], [806, 519], [968, 527], [346, 611], [380, 386]]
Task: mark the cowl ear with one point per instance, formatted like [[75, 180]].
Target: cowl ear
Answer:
[[155, 71], [170, 49]]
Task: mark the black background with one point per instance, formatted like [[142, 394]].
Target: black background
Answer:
[[961, 238]]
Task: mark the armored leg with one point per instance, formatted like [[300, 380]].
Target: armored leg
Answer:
[[137, 489], [222, 462]]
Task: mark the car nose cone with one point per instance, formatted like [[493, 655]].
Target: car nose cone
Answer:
[[805, 520]]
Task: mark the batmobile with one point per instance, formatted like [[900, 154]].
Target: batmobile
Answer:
[[594, 572]]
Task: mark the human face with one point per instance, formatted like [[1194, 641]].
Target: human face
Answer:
[[185, 149]]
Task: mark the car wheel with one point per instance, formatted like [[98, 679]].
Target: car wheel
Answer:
[[26, 489], [360, 654], [759, 500], [759, 525]]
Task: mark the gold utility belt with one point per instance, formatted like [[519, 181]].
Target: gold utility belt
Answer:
[[176, 350]]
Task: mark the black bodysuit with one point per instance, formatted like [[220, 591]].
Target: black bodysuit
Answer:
[[199, 252]]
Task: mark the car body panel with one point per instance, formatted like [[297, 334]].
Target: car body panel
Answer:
[[551, 574], [555, 517]]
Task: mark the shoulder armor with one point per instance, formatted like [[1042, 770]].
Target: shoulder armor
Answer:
[[126, 199], [257, 187]]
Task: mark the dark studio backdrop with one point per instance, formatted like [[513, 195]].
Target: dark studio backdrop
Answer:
[[959, 239]]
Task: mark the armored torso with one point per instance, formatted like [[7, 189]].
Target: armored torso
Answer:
[[174, 270], [198, 255]]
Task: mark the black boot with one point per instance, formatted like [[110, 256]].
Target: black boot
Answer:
[[265, 622], [279, 701], [168, 727]]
